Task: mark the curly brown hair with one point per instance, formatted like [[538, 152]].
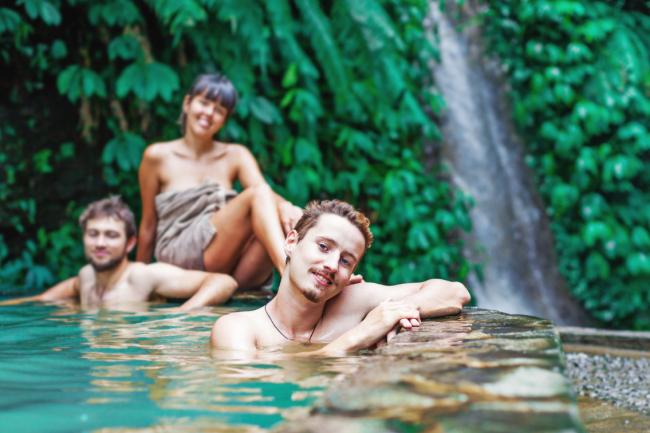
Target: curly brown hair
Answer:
[[335, 207]]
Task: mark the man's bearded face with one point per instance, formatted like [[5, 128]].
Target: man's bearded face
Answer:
[[105, 243], [323, 261]]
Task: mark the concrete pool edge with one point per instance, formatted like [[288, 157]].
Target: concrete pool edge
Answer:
[[456, 373]]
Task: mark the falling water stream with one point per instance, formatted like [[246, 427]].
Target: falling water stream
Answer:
[[486, 159]]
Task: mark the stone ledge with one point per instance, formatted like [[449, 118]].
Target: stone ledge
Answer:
[[633, 340], [478, 371]]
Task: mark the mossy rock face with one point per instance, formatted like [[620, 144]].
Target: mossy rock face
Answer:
[[479, 371]]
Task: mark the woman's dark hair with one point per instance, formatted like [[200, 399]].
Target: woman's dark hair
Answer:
[[216, 88]]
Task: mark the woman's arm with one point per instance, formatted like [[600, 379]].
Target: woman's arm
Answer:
[[249, 174], [149, 187]]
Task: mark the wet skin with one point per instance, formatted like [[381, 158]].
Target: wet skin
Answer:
[[250, 229], [313, 292], [111, 278]]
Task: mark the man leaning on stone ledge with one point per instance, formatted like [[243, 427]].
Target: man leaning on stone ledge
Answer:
[[314, 304]]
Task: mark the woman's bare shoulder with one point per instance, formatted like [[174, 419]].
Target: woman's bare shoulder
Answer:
[[157, 152]]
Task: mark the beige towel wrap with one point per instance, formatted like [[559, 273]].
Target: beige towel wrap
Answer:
[[184, 229]]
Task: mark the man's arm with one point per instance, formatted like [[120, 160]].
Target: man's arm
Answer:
[[374, 327], [65, 289], [436, 298], [202, 288], [432, 298]]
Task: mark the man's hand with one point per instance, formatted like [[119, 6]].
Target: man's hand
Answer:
[[289, 215], [385, 319]]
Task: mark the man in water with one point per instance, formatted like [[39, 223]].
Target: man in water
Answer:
[[314, 304], [109, 234]]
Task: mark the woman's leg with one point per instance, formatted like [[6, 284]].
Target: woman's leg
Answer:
[[254, 267], [253, 212]]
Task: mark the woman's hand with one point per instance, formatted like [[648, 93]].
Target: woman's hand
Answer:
[[289, 215], [355, 279]]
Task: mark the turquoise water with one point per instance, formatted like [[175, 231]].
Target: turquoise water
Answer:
[[64, 368]]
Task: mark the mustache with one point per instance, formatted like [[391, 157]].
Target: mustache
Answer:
[[331, 275]]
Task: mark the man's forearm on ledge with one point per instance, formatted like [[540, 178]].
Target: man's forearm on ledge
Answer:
[[439, 298]]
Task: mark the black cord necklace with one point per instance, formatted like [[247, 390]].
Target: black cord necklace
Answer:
[[291, 339]]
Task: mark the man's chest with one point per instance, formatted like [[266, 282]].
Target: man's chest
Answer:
[[122, 291], [328, 329]]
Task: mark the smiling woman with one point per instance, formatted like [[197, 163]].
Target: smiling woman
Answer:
[[191, 216]]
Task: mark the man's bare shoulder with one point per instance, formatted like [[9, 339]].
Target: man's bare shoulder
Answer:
[[139, 271], [356, 299], [356, 292], [86, 273], [235, 330]]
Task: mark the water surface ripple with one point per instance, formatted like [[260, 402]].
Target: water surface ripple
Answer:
[[64, 368]]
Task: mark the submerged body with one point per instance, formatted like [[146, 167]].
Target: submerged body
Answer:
[[255, 329], [137, 282], [110, 278], [313, 302]]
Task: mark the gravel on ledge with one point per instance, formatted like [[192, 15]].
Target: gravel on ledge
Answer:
[[624, 382]]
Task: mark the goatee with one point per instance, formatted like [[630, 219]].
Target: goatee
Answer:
[[315, 294], [106, 266]]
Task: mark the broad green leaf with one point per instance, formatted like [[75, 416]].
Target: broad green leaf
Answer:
[[638, 264], [43, 9], [147, 81], [263, 109], [640, 237], [290, 78], [126, 150], [59, 50], [41, 161], [307, 153], [115, 12], [596, 267], [563, 197], [9, 20], [75, 81], [125, 47], [592, 206], [594, 231]]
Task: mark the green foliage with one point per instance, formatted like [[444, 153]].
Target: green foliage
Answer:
[[331, 105], [580, 76]]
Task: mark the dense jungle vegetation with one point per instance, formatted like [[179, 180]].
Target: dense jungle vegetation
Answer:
[[335, 102], [580, 76]]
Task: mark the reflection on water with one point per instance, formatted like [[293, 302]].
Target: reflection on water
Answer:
[[64, 368]]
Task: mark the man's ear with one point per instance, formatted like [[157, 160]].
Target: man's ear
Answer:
[[290, 242], [130, 244]]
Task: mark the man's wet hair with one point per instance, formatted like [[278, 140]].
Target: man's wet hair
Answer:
[[216, 88], [314, 210], [110, 207]]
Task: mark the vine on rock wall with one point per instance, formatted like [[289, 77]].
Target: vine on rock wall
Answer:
[[331, 104], [580, 75]]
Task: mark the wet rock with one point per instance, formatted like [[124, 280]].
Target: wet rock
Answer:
[[454, 375]]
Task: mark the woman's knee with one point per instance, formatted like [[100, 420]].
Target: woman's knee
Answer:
[[262, 190]]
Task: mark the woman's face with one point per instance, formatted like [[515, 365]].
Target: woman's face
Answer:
[[203, 116]]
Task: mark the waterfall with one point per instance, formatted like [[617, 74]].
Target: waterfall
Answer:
[[486, 158]]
